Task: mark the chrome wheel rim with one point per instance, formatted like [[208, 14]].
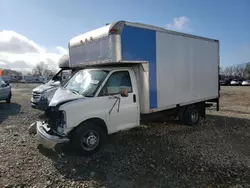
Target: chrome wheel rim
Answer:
[[90, 140], [194, 116]]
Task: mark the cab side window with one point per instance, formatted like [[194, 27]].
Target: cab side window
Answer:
[[116, 82]]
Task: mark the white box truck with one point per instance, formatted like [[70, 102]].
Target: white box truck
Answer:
[[129, 70]]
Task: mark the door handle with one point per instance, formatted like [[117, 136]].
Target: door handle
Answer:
[[134, 98]]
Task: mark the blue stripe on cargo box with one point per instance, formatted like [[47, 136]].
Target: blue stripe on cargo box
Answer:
[[139, 44]]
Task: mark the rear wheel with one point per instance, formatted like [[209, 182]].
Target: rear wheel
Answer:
[[192, 116], [88, 138]]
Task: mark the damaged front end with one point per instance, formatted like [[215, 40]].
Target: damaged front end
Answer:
[[46, 137], [52, 131], [56, 120]]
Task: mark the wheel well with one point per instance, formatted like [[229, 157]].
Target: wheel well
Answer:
[[201, 107], [97, 121]]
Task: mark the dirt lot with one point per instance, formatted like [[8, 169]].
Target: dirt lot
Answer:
[[159, 154]]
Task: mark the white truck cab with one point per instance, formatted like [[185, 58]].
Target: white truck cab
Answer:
[[104, 96], [129, 70]]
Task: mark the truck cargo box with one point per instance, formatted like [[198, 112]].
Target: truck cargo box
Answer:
[[182, 68]]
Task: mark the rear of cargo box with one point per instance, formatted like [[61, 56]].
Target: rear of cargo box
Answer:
[[186, 69], [183, 69]]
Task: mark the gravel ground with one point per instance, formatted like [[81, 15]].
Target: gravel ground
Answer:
[[160, 153]]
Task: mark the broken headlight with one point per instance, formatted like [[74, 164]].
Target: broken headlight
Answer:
[[61, 122]]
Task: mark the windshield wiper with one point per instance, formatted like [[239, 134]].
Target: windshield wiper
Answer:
[[74, 91], [88, 95]]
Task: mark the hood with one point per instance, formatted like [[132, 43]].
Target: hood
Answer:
[[43, 87], [63, 95], [53, 83]]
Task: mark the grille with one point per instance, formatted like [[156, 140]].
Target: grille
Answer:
[[36, 95]]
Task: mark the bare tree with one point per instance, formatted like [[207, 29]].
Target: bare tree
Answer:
[[49, 73], [247, 70], [222, 70], [41, 70], [229, 71], [236, 71], [239, 71]]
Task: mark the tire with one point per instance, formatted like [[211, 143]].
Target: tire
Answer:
[[192, 116], [88, 138], [8, 100]]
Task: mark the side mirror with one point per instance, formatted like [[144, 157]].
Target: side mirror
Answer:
[[124, 93]]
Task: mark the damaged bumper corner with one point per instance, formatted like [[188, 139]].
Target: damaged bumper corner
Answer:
[[45, 139]]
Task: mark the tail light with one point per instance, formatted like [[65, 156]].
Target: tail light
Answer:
[[116, 28], [113, 31]]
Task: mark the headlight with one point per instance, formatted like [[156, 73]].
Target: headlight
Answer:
[[44, 95], [61, 122], [50, 94], [63, 118]]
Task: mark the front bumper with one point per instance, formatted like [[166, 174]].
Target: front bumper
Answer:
[[48, 140]]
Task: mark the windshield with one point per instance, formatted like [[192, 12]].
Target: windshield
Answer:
[[86, 82]]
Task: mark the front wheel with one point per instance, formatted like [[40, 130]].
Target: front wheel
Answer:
[[88, 138]]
